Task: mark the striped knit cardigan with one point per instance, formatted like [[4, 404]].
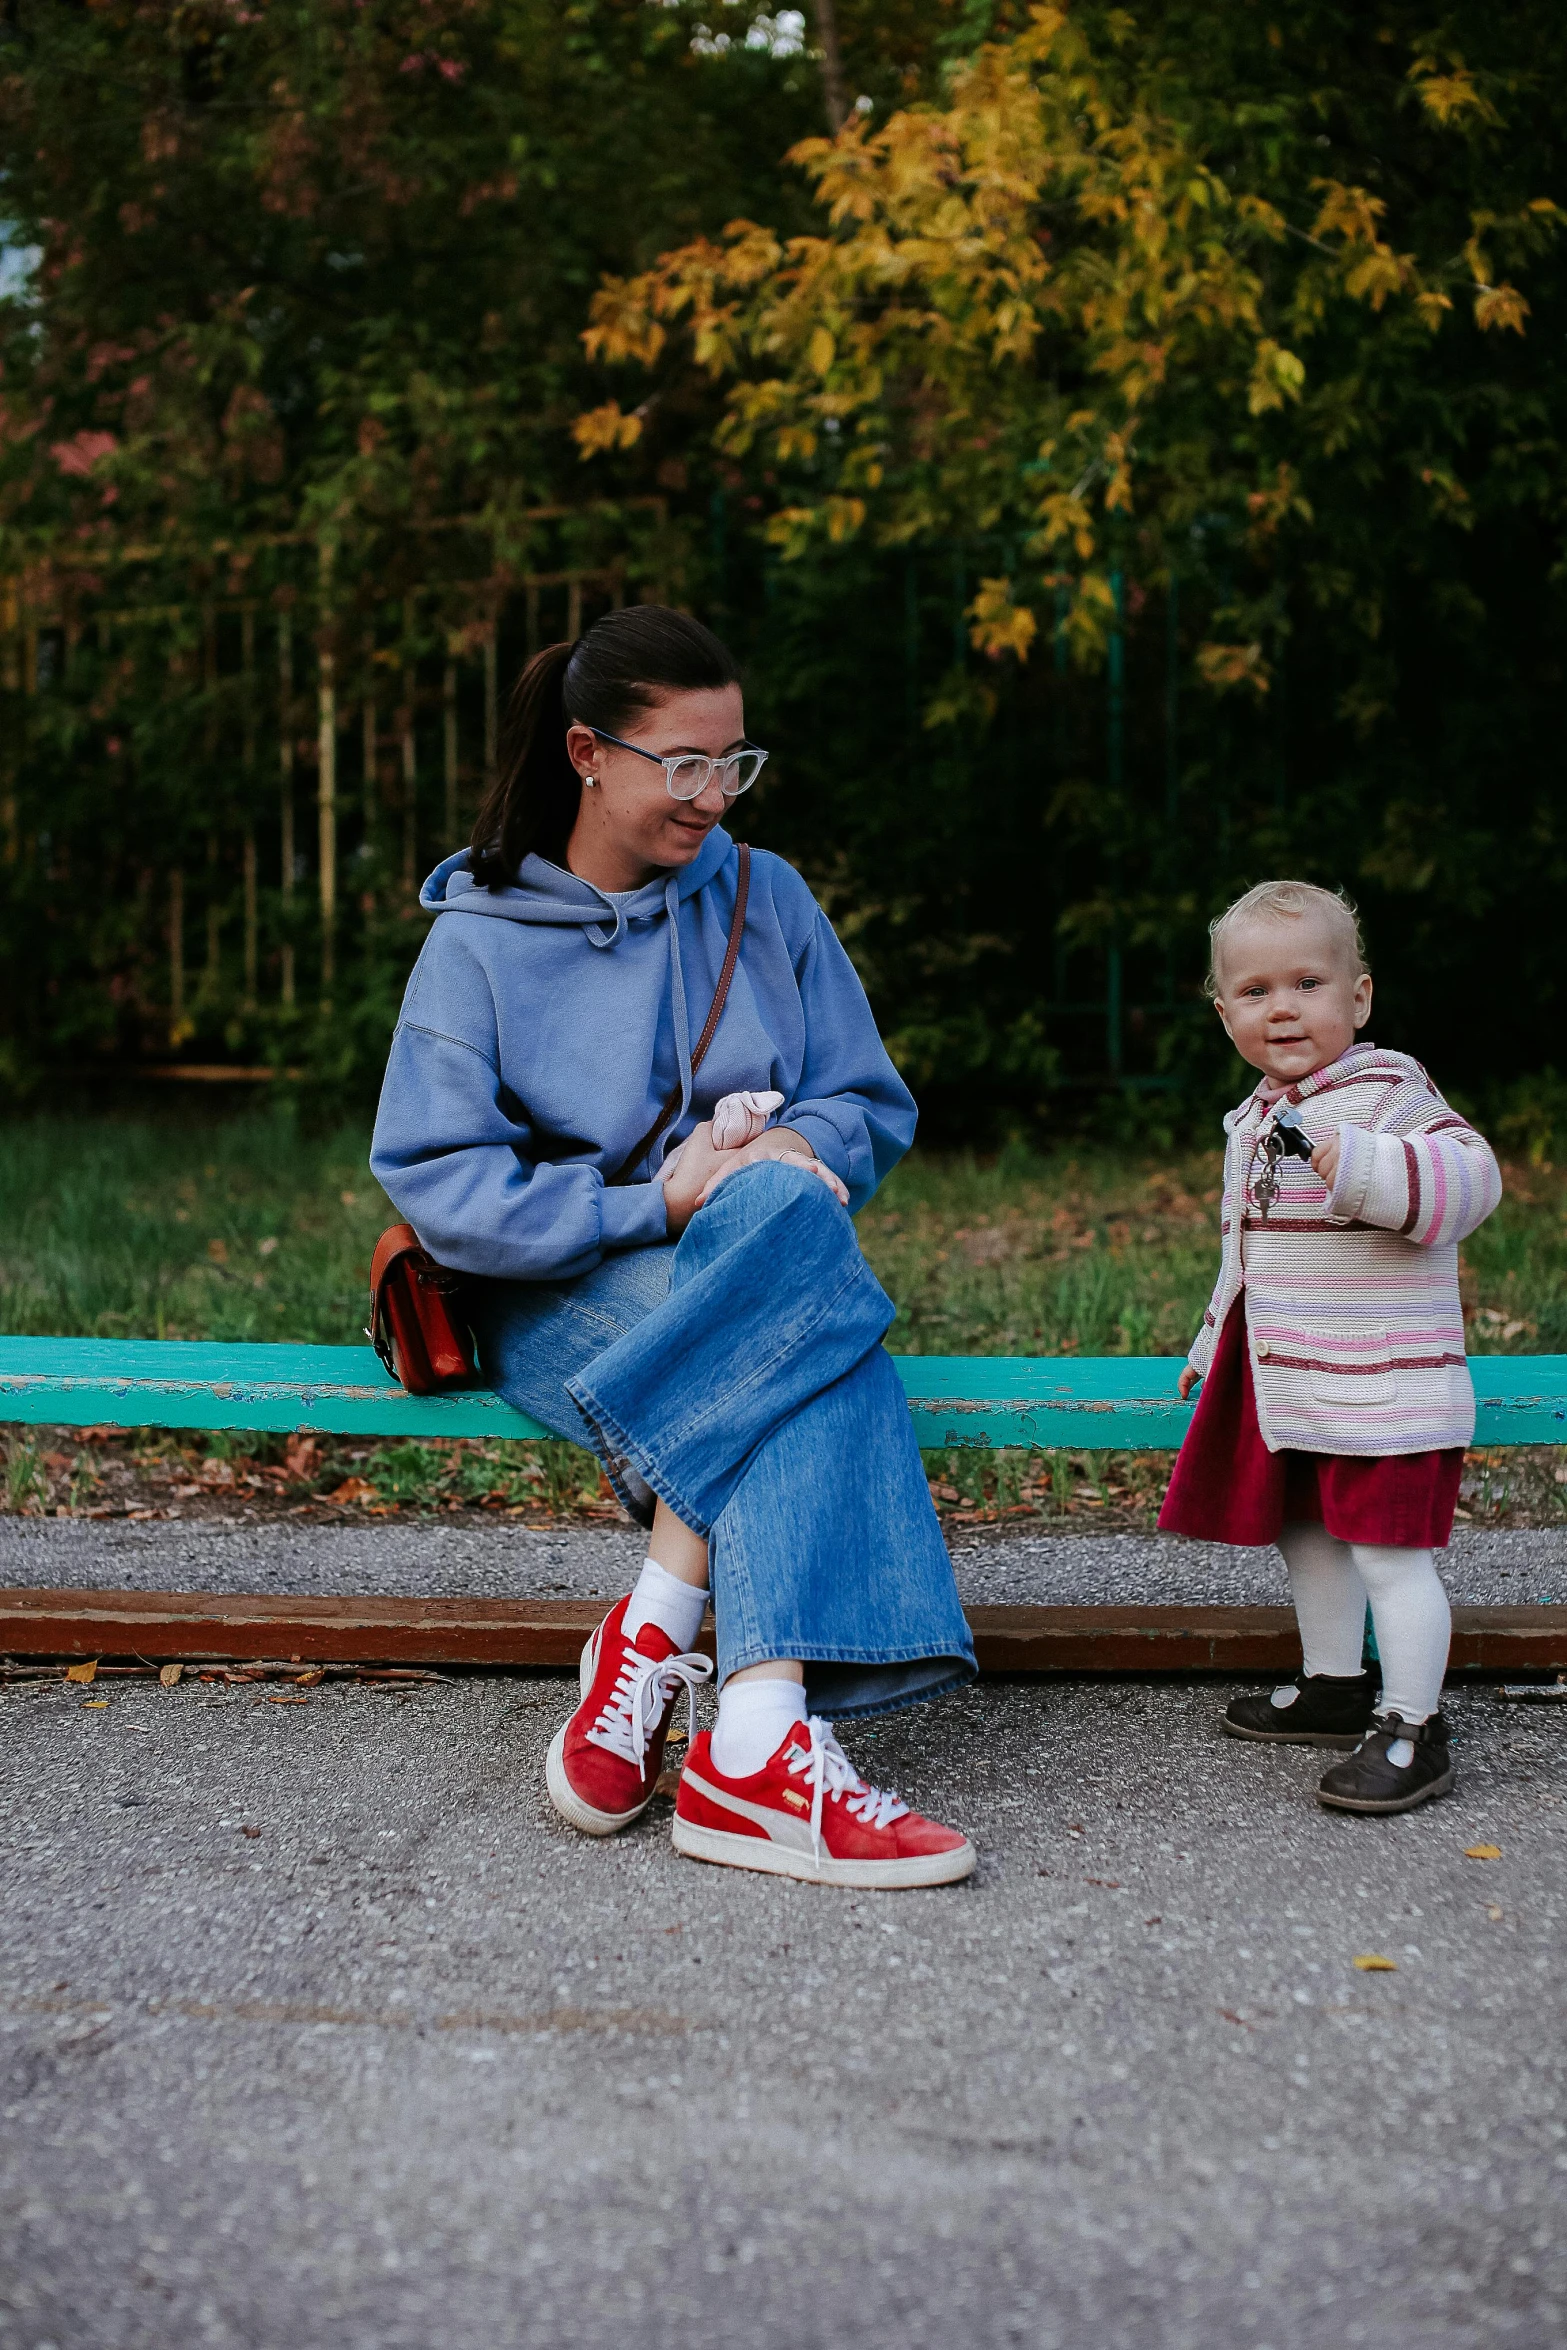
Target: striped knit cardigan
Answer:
[[1354, 1330]]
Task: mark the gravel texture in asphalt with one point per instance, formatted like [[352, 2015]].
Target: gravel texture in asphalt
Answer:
[[425, 1558], [325, 2032]]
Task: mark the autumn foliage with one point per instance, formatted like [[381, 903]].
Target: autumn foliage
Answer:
[[1128, 457]]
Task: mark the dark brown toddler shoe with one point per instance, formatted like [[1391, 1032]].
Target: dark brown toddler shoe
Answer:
[[1327, 1710], [1371, 1779]]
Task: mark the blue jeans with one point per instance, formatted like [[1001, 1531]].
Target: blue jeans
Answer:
[[740, 1377]]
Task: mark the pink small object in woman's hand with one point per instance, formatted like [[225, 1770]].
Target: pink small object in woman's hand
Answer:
[[740, 1117]]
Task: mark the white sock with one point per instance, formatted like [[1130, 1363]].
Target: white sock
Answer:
[[752, 1719], [661, 1598], [1330, 1600], [1413, 1626]]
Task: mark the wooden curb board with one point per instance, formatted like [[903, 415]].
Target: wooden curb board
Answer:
[[193, 1626]]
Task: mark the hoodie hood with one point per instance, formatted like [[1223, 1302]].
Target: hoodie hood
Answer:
[[548, 895]]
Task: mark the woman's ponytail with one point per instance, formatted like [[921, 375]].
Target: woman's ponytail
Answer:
[[612, 674], [533, 802]]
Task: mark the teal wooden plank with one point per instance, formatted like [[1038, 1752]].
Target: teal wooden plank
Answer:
[[974, 1402], [1050, 1403], [185, 1383], [1520, 1399]]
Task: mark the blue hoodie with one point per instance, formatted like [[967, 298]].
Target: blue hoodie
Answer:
[[545, 1025]]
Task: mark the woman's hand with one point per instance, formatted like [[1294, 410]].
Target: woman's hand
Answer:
[[779, 1142], [1325, 1159], [686, 1173], [697, 1169], [1189, 1378]]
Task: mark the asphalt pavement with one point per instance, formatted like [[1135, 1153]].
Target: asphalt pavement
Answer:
[[318, 2028], [426, 1558]]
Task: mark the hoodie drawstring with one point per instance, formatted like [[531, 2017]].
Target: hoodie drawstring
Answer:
[[599, 934], [678, 992]]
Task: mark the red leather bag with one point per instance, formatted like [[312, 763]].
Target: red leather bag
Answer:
[[417, 1325]]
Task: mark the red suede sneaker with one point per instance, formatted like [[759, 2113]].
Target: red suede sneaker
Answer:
[[603, 1764], [809, 1814]]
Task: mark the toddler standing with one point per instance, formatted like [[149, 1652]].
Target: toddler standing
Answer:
[[1336, 1400]]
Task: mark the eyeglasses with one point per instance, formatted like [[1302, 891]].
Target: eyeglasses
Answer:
[[687, 774]]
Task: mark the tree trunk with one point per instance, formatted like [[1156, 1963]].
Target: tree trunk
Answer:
[[832, 65]]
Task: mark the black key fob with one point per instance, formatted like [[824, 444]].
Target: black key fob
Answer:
[[1294, 1141]]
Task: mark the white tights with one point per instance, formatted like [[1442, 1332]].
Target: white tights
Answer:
[[1330, 1582]]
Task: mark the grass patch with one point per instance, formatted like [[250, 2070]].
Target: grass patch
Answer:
[[242, 1227], [236, 1227]]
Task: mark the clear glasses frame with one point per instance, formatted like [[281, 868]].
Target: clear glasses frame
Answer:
[[687, 774]]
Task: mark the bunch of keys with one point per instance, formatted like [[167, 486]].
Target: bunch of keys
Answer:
[[1286, 1139]]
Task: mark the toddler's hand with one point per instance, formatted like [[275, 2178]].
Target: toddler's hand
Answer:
[[1325, 1159], [1187, 1381]]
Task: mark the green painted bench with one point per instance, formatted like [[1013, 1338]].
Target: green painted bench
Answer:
[[1053, 1403]]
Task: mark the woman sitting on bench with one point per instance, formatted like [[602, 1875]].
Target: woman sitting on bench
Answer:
[[607, 967]]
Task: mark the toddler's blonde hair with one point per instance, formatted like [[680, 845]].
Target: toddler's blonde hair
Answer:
[[1289, 900]]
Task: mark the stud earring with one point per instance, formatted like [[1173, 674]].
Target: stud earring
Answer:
[[587, 778]]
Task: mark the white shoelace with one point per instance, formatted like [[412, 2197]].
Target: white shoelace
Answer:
[[643, 1687], [827, 1770]]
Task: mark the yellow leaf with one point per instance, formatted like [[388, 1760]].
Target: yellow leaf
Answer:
[[1482, 1852], [997, 624], [1223, 666], [1371, 1962], [822, 350], [1446, 96], [606, 428], [1501, 306], [1276, 376], [169, 1674], [86, 1672], [94, 1704]]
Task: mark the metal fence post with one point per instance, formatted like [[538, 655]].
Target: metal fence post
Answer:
[[285, 664], [326, 774]]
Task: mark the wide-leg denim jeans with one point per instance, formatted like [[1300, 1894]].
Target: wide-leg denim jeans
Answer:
[[740, 1377]]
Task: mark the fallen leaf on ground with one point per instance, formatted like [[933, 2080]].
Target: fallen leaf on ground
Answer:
[[170, 1674], [1482, 1852], [274, 1699], [353, 1489], [95, 1705], [1371, 1962], [250, 1831], [309, 1680], [1493, 1912], [86, 1672]]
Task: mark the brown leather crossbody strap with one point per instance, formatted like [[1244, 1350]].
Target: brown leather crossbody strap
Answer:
[[671, 1108]]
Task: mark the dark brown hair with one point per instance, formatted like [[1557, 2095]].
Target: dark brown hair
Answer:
[[614, 671]]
